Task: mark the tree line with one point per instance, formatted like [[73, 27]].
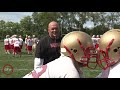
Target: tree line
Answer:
[[69, 21]]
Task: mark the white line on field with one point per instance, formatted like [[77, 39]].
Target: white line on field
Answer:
[[32, 69], [16, 60], [92, 70], [20, 69]]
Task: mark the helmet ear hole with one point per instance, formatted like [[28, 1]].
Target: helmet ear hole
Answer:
[[115, 50], [111, 40], [73, 46], [118, 47], [75, 50]]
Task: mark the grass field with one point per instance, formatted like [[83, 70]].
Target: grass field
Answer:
[[20, 65], [24, 64]]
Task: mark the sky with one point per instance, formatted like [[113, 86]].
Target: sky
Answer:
[[88, 24], [17, 16], [14, 16]]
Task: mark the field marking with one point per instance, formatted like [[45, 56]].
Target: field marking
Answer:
[[20, 69], [32, 69], [16, 60], [91, 70]]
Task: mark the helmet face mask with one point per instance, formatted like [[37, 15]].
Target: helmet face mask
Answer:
[[77, 45], [109, 46]]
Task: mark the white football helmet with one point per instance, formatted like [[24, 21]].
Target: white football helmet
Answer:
[[93, 36], [33, 36], [98, 36], [77, 45], [109, 48]]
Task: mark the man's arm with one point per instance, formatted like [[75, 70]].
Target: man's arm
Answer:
[[38, 62]]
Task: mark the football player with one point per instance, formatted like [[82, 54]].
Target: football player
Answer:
[[109, 46], [75, 51]]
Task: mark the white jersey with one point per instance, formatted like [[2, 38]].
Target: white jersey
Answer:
[[21, 41], [17, 43], [114, 71], [62, 67], [11, 41], [35, 40], [29, 42], [111, 72], [6, 41], [26, 40], [97, 40], [14, 40], [94, 40]]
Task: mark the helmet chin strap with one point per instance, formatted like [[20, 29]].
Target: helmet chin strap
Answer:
[[106, 58]]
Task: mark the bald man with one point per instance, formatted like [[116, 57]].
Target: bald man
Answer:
[[48, 47]]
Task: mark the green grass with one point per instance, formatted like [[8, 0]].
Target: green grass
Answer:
[[24, 64], [21, 65], [91, 73]]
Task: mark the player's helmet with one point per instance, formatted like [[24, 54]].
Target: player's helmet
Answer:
[[33, 36], [7, 36], [93, 36], [97, 36], [20, 36], [29, 36], [15, 36], [77, 45], [109, 46]]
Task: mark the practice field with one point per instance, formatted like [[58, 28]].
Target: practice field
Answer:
[[17, 67]]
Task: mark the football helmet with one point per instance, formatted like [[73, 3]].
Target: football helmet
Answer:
[[93, 36], [78, 46], [98, 36], [33, 36], [7, 36], [109, 48]]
